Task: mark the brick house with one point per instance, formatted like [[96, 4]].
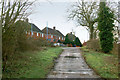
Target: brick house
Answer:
[[34, 31], [53, 35]]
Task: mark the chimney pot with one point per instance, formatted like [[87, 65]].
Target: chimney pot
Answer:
[[54, 27]]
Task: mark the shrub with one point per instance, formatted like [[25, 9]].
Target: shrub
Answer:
[[115, 49], [15, 40], [105, 26], [67, 41], [95, 45], [77, 42]]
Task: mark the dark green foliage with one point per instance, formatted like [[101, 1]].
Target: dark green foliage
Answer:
[[105, 26], [77, 42], [67, 41], [59, 41], [72, 42]]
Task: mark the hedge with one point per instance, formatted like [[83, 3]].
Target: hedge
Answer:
[[95, 45]]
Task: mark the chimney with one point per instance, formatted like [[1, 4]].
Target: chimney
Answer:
[[54, 27]]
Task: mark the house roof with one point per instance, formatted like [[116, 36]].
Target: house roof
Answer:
[[52, 31], [35, 28]]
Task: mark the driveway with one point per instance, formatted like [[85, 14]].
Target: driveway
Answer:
[[71, 64]]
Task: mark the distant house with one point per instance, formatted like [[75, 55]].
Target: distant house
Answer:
[[53, 35], [34, 31]]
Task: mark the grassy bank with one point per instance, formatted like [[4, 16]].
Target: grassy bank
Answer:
[[106, 65], [35, 64]]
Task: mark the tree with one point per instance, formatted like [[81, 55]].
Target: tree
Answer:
[[67, 41], [105, 26], [85, 13], [73, 43], [77, 42], [21, 27], [11, 11]]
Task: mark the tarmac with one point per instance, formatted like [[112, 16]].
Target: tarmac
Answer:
[[71, 64]]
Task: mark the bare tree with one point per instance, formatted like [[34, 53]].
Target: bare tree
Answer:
[[85, 13], [11, 11]]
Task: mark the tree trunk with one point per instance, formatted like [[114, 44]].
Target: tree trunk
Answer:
[[91, 32]]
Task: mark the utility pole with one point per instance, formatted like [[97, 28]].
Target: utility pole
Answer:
[[119, 37], [31, 30], [1, 49], [73, 33], [47, 31]]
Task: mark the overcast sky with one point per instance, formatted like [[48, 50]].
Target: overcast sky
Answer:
[[55, 13]]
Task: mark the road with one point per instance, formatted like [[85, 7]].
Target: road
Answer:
[[71, 64]]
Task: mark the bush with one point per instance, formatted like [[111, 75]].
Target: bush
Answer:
[[41, 42], [77, 42], [95, 45], [67, 41], [15, 40], [115, 49]]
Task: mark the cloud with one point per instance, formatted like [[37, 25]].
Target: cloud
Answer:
[[73, 0]]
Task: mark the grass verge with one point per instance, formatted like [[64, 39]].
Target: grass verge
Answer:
[[35, 64], [106, 65]]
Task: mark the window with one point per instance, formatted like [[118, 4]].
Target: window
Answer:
[[62, 38], [29, 33], [37, 34], [26, 32], [49, 39], [42, 34], [59, 37], [51, 36]]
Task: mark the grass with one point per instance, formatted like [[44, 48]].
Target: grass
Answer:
[[32, 64], [106, 65]]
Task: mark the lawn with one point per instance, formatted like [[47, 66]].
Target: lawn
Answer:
[[105, 65], [36, 64]]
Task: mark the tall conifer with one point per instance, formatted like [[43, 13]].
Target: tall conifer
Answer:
[[105, 26]]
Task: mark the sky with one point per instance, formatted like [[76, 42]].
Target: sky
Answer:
[[55, 13]]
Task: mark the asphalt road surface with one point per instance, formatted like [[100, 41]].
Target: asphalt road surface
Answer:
[[71, 64]]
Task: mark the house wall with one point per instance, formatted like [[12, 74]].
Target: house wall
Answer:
[[51, 38]]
